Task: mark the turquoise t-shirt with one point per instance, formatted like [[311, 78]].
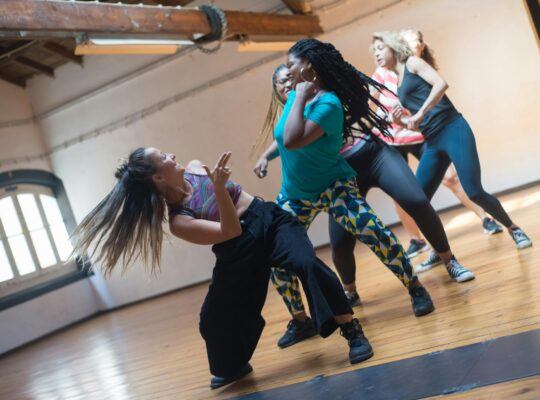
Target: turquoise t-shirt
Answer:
[[310, 170]]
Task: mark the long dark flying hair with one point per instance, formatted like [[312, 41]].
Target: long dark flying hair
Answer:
[[351, 86], [127, 223]]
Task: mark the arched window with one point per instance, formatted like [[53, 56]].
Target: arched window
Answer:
[[35, 223]]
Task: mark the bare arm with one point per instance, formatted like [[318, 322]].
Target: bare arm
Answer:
[[209, 232], [299, 132], [421, 68]]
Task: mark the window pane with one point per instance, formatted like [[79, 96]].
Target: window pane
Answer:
[[22, 256], [51, 209], [61, 239], [9, 217], [30, 211], [43, 248], [5, 269]]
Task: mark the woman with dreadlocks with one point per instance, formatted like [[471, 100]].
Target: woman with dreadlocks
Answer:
[[248, 236], [376, 165], [330, 97], [448, 136]]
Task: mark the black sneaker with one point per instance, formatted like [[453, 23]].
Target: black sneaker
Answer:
[[353, 298], [521, 239], [218, 381], [359, 347], [296, 332], [491, 227], [421, 301], [417, 247]]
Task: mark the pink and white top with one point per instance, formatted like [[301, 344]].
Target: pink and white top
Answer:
[[402, 136]]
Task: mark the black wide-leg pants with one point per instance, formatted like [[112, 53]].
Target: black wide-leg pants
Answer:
[[231, 322]]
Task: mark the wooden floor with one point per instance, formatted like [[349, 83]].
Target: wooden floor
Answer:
[[152, 350]]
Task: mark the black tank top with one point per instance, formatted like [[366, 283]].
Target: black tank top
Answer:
[[412, 94]]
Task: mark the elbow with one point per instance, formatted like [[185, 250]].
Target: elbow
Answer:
[[290, 144], [233, 233], [444, 86]]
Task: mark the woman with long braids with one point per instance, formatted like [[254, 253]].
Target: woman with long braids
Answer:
[[376, 165], [248, 236], [449, 138], [411, 142], [330, 97]]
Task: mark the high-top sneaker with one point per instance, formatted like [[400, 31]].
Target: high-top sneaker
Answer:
[[359, 347]]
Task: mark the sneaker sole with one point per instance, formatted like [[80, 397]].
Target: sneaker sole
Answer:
[[360, 358], [423, 249], [248, 371], [488, 232], [523, 245], [306, 336], [420, 268], [424, 312], [465, 277]]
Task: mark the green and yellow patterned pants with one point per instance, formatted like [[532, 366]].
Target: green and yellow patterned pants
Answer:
[[345, 204]]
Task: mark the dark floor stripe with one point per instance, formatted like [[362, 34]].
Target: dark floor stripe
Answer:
[[443, 372]]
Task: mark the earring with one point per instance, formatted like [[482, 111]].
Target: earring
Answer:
[[307, 80]]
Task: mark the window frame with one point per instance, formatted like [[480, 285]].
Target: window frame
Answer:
[[53, 278]]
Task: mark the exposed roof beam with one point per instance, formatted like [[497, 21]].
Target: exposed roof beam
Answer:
[[63, 16], [173, 2], [21, 82], [298, 6], [62, 52], [34, 65]]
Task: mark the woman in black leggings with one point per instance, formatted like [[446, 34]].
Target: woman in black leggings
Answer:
[[449, 139]]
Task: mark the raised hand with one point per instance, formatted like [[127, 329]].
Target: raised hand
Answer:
[[305, 89], [221, 172]]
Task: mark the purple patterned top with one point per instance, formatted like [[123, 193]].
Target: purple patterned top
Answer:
[[202, 204]]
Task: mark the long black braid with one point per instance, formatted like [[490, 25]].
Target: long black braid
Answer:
[[350, 85]]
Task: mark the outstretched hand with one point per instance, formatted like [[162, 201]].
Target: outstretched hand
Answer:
[[221, 172], [261, 168]]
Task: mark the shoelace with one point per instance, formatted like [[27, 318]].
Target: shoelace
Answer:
[[455, 269], [519, 235], [433, 257], [419, 291]]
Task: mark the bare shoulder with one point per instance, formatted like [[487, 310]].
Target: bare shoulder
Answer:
[[414, 63], [195, 164], [196, 167]]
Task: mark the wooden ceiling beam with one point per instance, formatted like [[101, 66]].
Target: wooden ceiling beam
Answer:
[[298, 6], [15, 81], [61, 51], [64, 16], [34, 65]]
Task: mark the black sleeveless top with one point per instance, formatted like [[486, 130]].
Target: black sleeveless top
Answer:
[[412, 94]]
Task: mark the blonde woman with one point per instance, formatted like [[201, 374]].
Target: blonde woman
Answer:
[[448, 137], [412, 142]]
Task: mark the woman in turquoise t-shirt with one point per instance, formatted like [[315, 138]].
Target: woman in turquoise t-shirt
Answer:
[[330, 97]]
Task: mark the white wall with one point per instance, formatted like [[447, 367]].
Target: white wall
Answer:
[[495, 90], [35, 318], [18, 140]]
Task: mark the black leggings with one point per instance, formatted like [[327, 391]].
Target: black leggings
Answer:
[[455, 144], [380, 165], [231, 322]]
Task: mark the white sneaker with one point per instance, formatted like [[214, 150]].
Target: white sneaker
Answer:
[[458, 272], [521, 239]]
